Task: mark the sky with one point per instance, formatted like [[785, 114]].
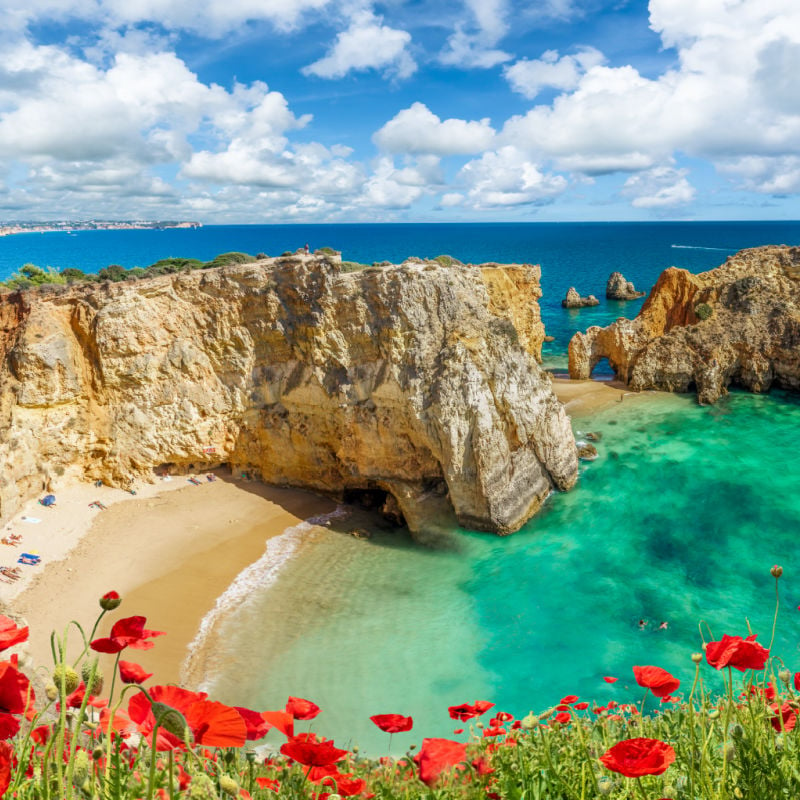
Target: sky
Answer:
[[260, 111]]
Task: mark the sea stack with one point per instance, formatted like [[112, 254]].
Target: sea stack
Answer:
[[407, 381], [617, 288], [574, 299], [738, 324]]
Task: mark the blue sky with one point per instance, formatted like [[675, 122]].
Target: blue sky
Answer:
[[261, 111]]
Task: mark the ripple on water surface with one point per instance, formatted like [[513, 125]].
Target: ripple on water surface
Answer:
[[678, 520]]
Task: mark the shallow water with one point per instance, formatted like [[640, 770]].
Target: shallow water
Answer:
[[678, 520]]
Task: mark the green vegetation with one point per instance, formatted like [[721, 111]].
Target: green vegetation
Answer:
[[327, 251], [703, 310], [354, 266], [30, 276], [446, 261]]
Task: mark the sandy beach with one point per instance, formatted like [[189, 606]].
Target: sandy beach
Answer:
[[170, 551], [584, 398]]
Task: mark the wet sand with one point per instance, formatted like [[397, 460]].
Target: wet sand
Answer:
[[584, 398]]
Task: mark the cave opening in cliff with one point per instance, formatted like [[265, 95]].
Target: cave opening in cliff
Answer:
[[377, 500], [602, 371]]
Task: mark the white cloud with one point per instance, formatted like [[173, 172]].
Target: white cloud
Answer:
[[393, 188], [366, 44], [660, 187], [778, 175], [472, 44], [507, 178], [209, 18], [418, 130], [451, 199], [530, 77]]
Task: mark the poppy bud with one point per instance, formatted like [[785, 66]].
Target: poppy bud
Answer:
[[170, 719], [355, 748], [605, 785], [785, 676], [93, 685], [65, 673], [530, 722], [98, 753], [202, 788], [776, 571], [713, 713], [109, 601], [228, 786], [697, 657], [80, 769], [736, 731], [51, 692]]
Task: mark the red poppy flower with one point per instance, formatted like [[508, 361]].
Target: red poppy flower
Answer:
[[6, 763], [269, 783], [301, 709], [636, 757], [657, 680], [436, 756], [16, 692], [348, 786], [257, 726], [312, 753], [129, 672], [581, 706], [10, 634], [562, 718], [393, 723], [458, 730], [609, 679], [141, 712], [797, 681], [215, 724], [733, 651], [121, 723], [785, 712], [128, 632], [281, 721], [568, 700], [465, 711]]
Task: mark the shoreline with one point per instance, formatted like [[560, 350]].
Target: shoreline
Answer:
[[170, 556], [181, 555]]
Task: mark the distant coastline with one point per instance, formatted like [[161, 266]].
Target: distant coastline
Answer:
[[67, 226]]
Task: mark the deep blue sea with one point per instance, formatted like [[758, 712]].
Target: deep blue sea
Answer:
[[678, 520]]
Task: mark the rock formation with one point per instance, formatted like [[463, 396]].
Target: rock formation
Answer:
[[617, 288], [574, 300], [738, 324], [405, 381]]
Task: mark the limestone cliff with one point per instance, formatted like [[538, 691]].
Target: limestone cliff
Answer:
[[408, 379], [738, 324]]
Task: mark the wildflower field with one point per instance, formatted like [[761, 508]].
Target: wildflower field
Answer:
[[88, 737]]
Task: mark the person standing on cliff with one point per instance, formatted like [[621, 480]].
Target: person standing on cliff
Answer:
[[305, 249]]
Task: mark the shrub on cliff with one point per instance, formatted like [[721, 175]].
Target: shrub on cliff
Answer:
[[30, 275], [703, 311], [226, 259], [167, 266]]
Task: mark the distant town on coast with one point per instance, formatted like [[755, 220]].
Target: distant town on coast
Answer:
[[90, 225]]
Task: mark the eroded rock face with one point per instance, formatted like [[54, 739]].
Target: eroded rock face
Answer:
[[415, 379], [574, 299], [738, 324], [617, 288]]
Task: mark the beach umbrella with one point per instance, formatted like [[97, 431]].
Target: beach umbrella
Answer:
[[49, 500]]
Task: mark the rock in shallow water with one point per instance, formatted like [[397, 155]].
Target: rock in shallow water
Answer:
[[738, 324], [574, 299]]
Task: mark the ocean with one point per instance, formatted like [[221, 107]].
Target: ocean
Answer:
[[679, 519]]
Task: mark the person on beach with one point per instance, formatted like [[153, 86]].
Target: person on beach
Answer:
[[305, 248]]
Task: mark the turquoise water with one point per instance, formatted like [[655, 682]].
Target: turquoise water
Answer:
[[678, 520]]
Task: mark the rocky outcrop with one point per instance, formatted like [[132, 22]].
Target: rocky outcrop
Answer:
[[617, 288], [415, 380], [738, 324], [574, 300]]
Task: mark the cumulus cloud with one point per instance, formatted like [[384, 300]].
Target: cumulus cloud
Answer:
[[506, 177], [778, 175], [660, 187], [418, 130], [530, 77], [366, 44]]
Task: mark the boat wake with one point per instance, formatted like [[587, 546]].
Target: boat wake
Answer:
[[697, 247], [255, 578]]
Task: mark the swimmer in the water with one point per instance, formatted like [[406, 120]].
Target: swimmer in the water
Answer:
[[642, 624], [663, 626]]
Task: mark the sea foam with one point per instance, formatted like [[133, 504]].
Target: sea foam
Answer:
[[257, 577]]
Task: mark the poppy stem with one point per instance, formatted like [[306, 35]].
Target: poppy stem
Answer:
[[723, 792], [114, 676], [775, 618], [153, 758], [170, 761], [644, 700]]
